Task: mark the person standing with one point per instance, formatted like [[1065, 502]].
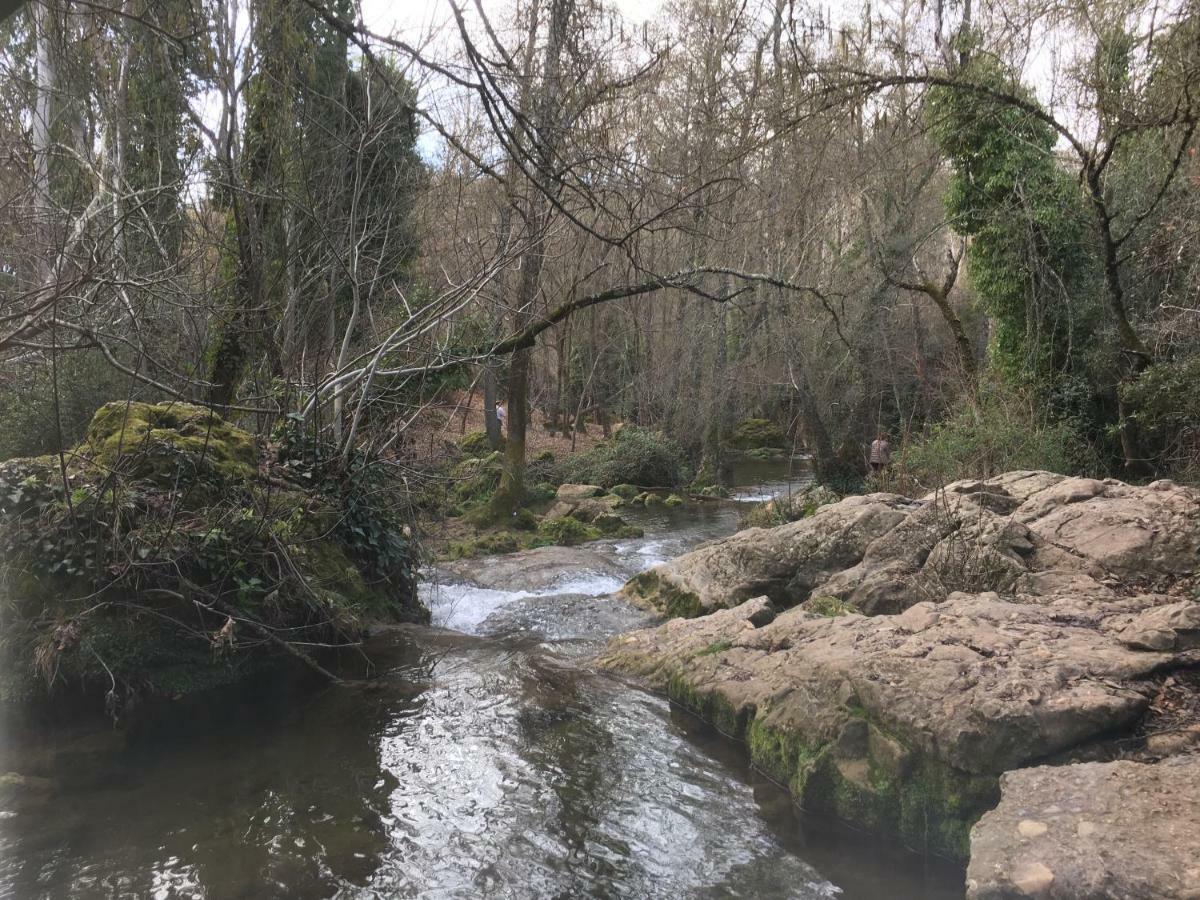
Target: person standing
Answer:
[[881, 453], [501, 415]]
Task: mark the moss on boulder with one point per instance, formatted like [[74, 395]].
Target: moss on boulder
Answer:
[[476, 443], [162, 440], [174, 548], [567, 531]]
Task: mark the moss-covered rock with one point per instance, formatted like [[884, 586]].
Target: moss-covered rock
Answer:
[[649, 591], [169, 445], [476, 444], [474, 482], [490, 544], [177, 558], [567, 531], [625, 491], [674, 500]]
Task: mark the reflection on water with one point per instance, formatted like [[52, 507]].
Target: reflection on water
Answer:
[[481, 764], [753, 481]]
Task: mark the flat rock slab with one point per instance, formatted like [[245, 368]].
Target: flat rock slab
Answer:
[[533, 570], [978, 682], [1121, 830]]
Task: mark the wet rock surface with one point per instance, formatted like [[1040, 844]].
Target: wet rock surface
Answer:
[[1033, 618], [1096, 830]]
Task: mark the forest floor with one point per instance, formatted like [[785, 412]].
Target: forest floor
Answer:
[[432, 438]]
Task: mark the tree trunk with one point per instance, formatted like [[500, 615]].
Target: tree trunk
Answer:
[[491, 422]]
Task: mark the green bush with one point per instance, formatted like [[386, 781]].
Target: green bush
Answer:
[[631, 456], [754, 434], [29, 417], [542, 492], [1003, 433], [1164, 403]]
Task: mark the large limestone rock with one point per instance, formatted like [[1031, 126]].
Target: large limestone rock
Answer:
[[1026, 618], [1033, 534], [782, 563], [1105, 831], [853, 711]]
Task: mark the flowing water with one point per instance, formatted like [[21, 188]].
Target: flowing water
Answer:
[[484, 759]]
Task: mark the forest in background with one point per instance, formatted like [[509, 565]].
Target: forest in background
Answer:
[[971, 225]]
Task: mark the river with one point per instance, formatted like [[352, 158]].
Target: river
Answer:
[[483, 759]]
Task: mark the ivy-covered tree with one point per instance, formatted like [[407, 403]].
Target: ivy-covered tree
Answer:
[[1023, 211]]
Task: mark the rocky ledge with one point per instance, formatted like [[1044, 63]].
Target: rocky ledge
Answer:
[[889, 659]]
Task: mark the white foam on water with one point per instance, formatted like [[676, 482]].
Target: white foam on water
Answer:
[[754, 496], [464, 607], [585, 583]]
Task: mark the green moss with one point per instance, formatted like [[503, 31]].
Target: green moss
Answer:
[[156, 441], [625, 491], [491, 544], [674, 500], [567, 531], [675, 602], [924, 803], [830, 607], [783, 756], [710, 706]]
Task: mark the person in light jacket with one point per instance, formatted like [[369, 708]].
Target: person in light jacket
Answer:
[[881, 453]]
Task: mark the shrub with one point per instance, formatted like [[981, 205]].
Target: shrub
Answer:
[[631, 456], [782, 510], [1165, 405], [1001, 434], [29, 416]]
